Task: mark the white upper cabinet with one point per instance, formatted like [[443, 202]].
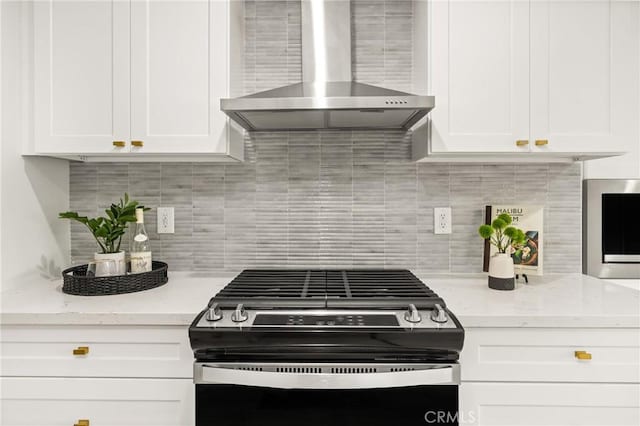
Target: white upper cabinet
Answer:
[[535, 77], [178, 74], [141, 77], [584, 74], [479, 67], [81, 71]]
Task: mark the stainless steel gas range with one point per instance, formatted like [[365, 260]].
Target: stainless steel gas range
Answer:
[[320, 347]]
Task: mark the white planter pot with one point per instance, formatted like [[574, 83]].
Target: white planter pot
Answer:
[[501, 272], [121, 264]]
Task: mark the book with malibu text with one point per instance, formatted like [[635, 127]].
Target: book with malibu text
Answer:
[[527, 259]]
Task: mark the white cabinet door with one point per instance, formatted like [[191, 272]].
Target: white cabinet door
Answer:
[[479, 75], [104, 402], [112, 351], [179, 72], [548, 355], [542, 404], [81, 76], [585, 74]]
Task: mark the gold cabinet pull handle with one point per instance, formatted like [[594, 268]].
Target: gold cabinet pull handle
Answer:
[[119, 144], [542, 142], [522, 142], [81, 350], [82, 422], [582, 355], [138, 144]]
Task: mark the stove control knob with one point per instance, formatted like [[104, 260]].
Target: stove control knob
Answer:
[[239, 315], [214, 313], [438, 314], [412, 314]]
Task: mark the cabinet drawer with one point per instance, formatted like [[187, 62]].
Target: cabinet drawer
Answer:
[[103, 402], [548, 355], [549, 404], [113, 351]]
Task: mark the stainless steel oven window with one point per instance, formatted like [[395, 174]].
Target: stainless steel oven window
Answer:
[[596, 261], [621, 228]]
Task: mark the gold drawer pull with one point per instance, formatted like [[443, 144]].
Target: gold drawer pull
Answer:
[[82, 422], [138, 144], [81, 350], [542, 142], [522, 142], [582, 355], [119, 144]]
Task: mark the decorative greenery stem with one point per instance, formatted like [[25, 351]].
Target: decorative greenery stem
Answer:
[[108, 231], [501, 235]]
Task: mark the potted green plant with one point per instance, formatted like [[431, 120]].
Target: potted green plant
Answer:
[[108, 231], [504, 238]]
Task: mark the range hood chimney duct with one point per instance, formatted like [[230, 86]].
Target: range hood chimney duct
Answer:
[[326, 41]]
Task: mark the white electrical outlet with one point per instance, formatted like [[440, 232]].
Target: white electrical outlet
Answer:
[[165, 220], [442, 220]]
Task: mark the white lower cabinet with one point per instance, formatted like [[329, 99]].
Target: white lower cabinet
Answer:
[[103, 402], [549, 404], [550, 376], [96, 351], [96, 375], [549, 355]]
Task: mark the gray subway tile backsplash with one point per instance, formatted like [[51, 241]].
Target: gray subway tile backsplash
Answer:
[[328, 198], [316, 208]]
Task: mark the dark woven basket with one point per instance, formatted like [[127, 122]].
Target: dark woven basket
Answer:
[[77, 282]]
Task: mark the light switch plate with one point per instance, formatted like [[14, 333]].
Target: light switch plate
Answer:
[[165, 220], [442, 220]]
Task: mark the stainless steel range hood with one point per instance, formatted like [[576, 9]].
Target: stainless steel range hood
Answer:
[[327, 98]]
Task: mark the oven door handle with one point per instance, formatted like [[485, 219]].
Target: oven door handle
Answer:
[[438, 375]]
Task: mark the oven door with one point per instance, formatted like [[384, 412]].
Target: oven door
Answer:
[[326, 394]]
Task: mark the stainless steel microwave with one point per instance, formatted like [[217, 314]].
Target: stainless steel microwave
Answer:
[[611, 228]]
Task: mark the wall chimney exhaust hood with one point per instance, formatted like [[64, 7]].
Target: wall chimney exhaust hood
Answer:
[[327, 98]]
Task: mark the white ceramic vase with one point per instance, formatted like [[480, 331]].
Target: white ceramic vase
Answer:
[[118, 258], [501, 272]]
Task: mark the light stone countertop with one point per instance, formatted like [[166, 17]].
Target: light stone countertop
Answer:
[[42, 301], [573, 300]]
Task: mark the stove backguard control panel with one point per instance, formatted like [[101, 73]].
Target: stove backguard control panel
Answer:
[[339, 320], [308, 319]]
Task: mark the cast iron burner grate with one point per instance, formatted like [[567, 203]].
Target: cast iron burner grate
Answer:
[[363, 289]]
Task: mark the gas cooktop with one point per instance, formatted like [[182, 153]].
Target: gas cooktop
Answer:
[[326, 314], [380, 289]]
